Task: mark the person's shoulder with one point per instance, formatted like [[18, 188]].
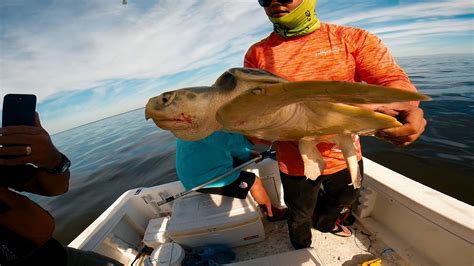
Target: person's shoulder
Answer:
[[261, 43], [352, 36], [255, 51], [343, 31]]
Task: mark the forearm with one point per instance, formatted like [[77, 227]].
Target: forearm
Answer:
[[25, 218], [404, 84], [258, 141], [242, 154], [47, 184]]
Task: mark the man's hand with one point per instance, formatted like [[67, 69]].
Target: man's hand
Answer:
[[411, 116], [26, 144], [254, 154]]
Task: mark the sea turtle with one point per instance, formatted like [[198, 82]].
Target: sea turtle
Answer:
[[259, 104]]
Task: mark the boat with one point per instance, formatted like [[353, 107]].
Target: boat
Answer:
[[398, 222]]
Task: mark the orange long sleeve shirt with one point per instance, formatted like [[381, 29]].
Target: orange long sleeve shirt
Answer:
[[330, 53]]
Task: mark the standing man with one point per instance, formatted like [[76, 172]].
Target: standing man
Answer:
[[301, 48]]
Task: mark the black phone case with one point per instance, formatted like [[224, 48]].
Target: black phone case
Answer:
[[18, 109]]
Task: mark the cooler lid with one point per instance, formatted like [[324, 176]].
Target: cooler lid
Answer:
[[157, 225], [203, 212]]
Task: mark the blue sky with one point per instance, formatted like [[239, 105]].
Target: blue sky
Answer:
[[87, 60]]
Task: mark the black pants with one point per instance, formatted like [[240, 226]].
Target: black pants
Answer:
[[310, 206]]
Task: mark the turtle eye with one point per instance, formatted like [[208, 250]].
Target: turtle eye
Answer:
[[226, 82], [257, 91], [166, 98]]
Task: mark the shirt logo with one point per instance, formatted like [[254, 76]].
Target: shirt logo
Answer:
[[327, 52]]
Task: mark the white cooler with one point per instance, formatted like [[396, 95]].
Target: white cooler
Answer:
[[205, 219]]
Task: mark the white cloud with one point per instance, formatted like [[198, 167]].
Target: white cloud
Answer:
[[438, 9], [170, 37], [420, 29]]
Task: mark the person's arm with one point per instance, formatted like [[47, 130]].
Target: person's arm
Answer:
[[375, 65], [48, 184], [259, 141], [33, 145], [243, 154]]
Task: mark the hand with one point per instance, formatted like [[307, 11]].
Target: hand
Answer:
[[411, 116], [254, 154], [27, 144]]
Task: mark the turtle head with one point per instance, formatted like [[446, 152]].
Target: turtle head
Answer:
[[190, 113], [187, 112]]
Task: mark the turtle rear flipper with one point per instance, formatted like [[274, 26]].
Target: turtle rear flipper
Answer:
[[346, 144]]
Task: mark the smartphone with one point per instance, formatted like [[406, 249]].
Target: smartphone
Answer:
[[19, 110]]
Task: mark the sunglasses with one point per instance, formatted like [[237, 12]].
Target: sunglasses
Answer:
[[266, 3]]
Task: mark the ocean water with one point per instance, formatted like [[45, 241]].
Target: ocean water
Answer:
[[119, 153]]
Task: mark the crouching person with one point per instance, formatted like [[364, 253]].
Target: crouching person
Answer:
[[197, 162]]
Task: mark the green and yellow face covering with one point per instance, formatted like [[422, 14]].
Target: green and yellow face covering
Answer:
[[301, 21]]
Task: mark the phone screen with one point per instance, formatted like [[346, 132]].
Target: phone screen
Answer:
[[18, 109]]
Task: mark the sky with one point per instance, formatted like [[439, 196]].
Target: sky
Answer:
[[87, 60]]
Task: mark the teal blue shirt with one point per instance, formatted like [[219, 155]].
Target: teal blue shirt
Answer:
[[200, 161]]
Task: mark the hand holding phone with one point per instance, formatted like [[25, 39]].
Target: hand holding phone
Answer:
[[23, 138], [28, 145]]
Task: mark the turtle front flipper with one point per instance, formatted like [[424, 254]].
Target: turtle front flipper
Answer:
[[346, 144], [313, 161], [267, 99]]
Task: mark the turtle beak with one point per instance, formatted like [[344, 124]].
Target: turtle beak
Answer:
[[148, 108], [156, 105], [147, 115], [153, 111]]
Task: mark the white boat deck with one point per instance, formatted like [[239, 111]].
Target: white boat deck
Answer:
[[330, 249]]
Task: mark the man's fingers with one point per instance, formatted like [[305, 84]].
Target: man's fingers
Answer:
[[26, 130], [15, 151], [37, 120], [22, 139], [411, 116], [413, 122], [15, 161], [401, 136], [380, 108], [387, 111], [397, 132], [402, 132], [404, 141], [414, 125]]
